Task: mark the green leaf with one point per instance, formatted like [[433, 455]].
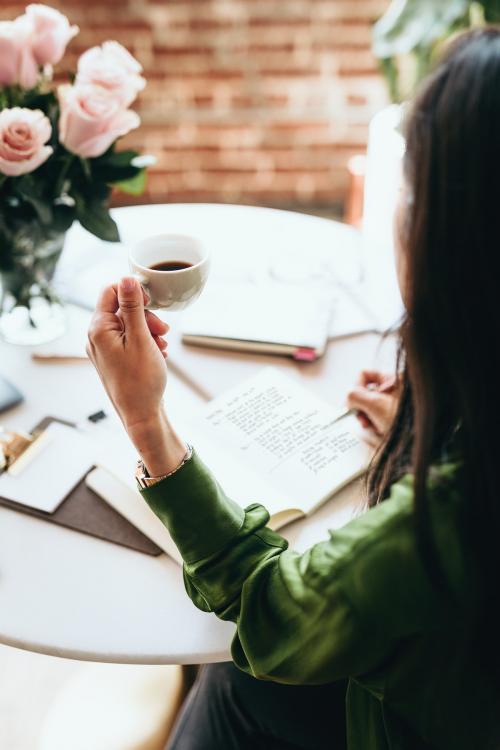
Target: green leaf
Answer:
[[116, 158], [491, 10], [114, 167], [135, 185], [96, 219], [408, 24], [390, 70], [30, 191], [114, 174], [36, 99], [63, 217]]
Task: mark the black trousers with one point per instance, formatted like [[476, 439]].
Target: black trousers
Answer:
[[228, 710]]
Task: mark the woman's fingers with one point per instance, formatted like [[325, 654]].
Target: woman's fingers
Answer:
[[156, 326], [363, 419], [375, 398], [367, 377], [389, 384], [381, 380], [106, 317], [370, 402], [161, 344], [158, 329], [376, 409], [108, 300]]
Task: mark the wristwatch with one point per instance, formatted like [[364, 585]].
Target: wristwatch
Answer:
[[142, 475]]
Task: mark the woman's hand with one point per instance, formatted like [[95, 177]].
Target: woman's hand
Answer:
[[376, 398], [127, 347]]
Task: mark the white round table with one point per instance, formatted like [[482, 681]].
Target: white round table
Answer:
[[68, 594]]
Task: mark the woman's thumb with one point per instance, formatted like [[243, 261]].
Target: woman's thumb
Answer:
[[131, 301]]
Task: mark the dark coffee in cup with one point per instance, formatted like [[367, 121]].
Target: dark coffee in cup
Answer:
[[172, 269], [171, 265]]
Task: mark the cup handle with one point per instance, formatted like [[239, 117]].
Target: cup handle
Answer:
[[143, 281]]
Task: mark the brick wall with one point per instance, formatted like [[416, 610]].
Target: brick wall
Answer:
[[252, 101]]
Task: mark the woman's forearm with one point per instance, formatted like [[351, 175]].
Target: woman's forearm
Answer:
[[159, 446]]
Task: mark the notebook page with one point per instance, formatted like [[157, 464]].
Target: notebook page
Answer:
[[292, 441]]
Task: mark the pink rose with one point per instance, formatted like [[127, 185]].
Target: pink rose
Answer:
[[51, 33], [17, 62], [23, 135], [113, 68], [91, 120]]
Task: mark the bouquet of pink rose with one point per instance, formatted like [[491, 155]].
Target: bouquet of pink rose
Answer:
[[57, 144], [57, 159]]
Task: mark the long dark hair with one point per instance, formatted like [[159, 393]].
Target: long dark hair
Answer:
[[451, 333]]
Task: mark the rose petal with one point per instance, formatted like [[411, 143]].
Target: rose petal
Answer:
[[9, 51], [86, 112], [14, 169], [51, 33], [122, 124], [113, 68], [123, 56], [23, 133]]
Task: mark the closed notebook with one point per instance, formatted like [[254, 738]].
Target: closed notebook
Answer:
[[58, 460], [271, 318], [83, 510]]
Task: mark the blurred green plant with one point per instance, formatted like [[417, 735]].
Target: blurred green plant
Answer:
[[408, 36]]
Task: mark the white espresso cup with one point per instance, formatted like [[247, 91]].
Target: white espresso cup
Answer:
[[170, 290]]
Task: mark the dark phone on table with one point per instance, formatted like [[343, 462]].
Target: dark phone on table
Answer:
[[9, 395]]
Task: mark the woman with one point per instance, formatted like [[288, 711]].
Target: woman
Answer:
[[384, 636]]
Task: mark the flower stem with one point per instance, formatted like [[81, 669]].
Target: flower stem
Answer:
[[62, 176]]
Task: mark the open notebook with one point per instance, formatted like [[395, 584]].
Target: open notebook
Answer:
[[268, 440]]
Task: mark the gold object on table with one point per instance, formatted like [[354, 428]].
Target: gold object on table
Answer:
[[12, 447]]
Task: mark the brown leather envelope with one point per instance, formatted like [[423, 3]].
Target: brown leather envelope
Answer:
[[84, 511]]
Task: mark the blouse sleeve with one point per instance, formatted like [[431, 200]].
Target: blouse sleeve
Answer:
[[335, 611]]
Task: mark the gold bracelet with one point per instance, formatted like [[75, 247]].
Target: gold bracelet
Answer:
[[142, 475]]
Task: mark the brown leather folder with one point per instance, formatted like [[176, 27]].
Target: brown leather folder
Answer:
[[82, 510]]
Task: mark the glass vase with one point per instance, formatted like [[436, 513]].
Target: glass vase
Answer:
[[30, 310]]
